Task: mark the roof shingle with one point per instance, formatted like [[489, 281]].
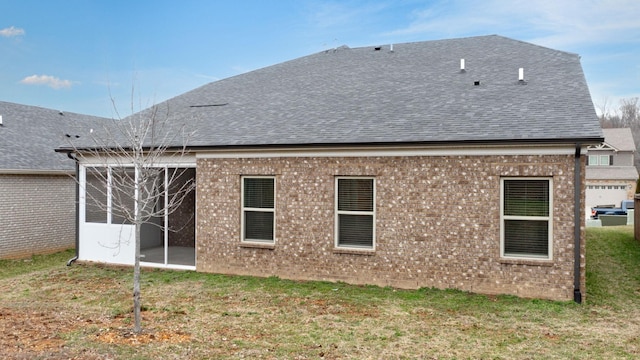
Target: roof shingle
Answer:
[[30, 134], [416, 93]]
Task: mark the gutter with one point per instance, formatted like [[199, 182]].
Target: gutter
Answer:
[[577, 293], [73, 259], [36, 172], [439, 143]]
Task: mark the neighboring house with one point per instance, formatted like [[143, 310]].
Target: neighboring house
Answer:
[[451, 164], [611, 175], [37, 190]]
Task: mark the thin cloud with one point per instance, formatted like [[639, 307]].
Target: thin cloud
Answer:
[[48, 80], [559, 24], [11, 32]]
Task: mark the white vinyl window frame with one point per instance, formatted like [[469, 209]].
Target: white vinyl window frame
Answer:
[[605, 160], [247, 209], [371, 213], [548, 219]]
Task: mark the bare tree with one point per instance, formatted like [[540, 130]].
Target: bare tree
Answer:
[[630, 112], [626, 116], [604, 108], [123, 162]]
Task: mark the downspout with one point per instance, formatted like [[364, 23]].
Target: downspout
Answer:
[[70, 155], [577, 294]]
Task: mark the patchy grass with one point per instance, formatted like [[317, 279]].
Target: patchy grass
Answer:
[[51, 311]]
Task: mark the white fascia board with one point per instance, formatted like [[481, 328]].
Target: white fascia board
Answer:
[[188, 160], [488, 150]]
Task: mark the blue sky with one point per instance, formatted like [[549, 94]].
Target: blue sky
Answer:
[[78, 56]]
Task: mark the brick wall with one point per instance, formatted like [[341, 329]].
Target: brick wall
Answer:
[[437, 223], [38, 214]]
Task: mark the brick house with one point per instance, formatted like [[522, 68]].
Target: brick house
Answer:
[[451, 164], [37, 190], [611, 175]]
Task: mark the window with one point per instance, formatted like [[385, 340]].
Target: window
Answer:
[[355, 215], [258, 208], [602, 160], [526, 226]]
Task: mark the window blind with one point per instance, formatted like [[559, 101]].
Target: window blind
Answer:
[[258, 193], [526, 197]]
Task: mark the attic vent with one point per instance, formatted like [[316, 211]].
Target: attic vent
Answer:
[[476, 83], [1, 123], [462, 69], [521, 76], [61, 113], [391, 48], [208, 105], [377, 48]]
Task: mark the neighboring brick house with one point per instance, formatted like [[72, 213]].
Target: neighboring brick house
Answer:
[[37, 190], [611, 175], [451, 164]]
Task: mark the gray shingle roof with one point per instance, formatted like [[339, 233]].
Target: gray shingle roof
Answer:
[[29, 135], [611, 173], [415, 93], [620, 138]]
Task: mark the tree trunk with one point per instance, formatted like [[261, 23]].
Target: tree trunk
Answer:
[[137, 327]]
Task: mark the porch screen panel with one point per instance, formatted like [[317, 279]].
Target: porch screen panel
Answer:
[[123, 195], [95, 195]]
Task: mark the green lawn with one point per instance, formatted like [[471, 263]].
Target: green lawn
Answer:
[[51, 311]]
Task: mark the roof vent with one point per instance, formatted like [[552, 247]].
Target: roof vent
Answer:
[[521, 74], [391, 48], [1, 123], [377, 48], [61, 113], [476, 83], [208, 105], [462, 69]]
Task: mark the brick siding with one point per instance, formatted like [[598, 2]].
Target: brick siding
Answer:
[[437, 223], [38, 214]]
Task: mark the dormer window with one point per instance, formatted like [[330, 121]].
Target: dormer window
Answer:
[[601, 160]]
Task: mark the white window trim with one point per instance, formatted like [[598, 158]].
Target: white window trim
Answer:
[[604, 160], [344, 212], [243, 209], [549, 220]]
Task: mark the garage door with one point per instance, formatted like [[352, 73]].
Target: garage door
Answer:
[[604, 195]]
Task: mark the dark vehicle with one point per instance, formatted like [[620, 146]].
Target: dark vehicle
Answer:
[[598, 210]]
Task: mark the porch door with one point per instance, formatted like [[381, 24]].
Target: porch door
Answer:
[[169, 240]]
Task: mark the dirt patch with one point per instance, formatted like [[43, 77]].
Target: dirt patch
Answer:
[[30, 331], [27, 334]]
